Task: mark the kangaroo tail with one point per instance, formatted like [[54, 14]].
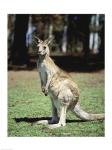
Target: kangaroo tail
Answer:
[[86, 116]]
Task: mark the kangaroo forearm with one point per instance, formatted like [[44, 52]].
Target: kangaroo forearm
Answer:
[[47, 84], [42, 86]]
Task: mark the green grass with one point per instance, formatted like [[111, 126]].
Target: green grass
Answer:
[[26, 104]]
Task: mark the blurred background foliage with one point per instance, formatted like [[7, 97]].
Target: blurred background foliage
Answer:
[[75, 35]]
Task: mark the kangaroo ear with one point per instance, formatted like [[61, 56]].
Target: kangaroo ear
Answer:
[[49, 40], [36, 39]]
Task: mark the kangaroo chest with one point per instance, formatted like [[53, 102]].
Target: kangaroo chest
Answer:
[[43, 72]]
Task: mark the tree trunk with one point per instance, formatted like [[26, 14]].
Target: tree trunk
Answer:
[[84, 28], [19, 51]]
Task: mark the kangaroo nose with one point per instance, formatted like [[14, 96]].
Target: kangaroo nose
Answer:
[[39, 52]]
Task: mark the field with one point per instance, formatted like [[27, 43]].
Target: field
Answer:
[[27, 104]]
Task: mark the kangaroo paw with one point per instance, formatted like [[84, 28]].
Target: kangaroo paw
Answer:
[[46, 92], [53, 126], [44, 122]]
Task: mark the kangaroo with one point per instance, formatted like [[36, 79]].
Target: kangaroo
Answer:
[[63, 92]]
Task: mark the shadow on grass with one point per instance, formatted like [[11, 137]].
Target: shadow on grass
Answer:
[[33, 120]]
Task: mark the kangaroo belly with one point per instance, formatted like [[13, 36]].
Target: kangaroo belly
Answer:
[[63, 93]]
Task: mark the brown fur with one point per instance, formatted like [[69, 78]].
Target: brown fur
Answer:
[[64, 93]]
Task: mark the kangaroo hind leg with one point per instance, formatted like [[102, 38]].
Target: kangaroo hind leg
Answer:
[[54, 119], [62, 120]]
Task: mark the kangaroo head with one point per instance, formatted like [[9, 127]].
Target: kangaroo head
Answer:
[[43, 46]]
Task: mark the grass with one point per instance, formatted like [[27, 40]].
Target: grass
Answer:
[[26, 104]]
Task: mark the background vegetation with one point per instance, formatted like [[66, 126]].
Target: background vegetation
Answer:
[[71, 34]]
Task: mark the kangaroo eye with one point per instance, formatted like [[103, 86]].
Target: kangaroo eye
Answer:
[[44, 47]]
